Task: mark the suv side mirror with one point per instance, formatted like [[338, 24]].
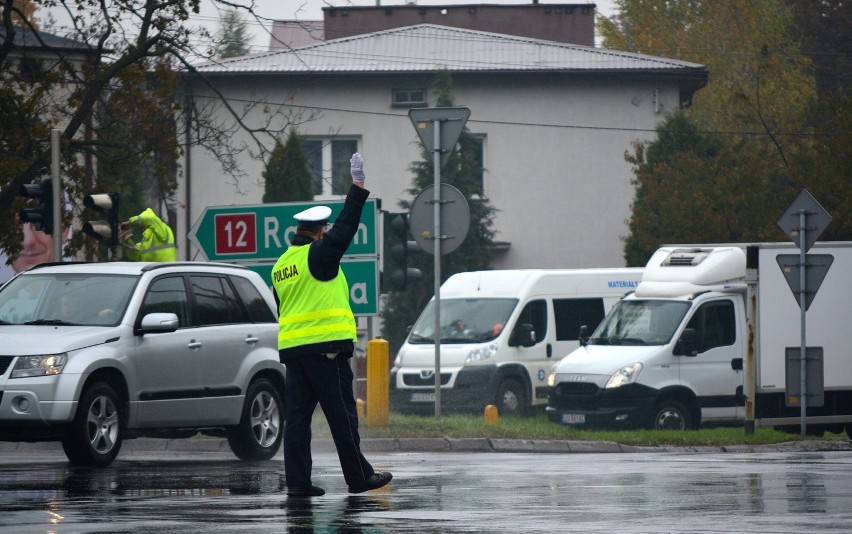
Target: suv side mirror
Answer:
[[686, 344], [157, 323], [584, 335], [523, 335]]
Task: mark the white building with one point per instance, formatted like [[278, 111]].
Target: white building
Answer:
[[555, 121]]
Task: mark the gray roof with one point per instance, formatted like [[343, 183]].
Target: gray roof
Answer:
[[429, 48], [24, 37]]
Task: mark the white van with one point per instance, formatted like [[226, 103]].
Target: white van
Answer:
[[500, 333]]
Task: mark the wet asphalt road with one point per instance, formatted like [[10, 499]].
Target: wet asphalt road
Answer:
[[447, 492]]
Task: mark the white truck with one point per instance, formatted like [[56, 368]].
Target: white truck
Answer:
[[500, 333], [672, 354]]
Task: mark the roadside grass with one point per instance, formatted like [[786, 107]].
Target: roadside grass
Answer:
[[539, 427]]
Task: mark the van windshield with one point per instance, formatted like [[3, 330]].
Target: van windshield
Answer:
[[463, 320], [640, 322]]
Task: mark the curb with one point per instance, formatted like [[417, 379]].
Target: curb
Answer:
[[205, 444]]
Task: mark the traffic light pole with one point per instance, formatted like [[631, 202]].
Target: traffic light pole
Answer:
[[57, 196], [436, 164]]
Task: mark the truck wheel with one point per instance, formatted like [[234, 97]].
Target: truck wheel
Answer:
[[670, 414], [511, 399], [258, 436], [94, 437]]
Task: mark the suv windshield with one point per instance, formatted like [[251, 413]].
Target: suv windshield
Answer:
[[463, 320], [66, 299], [640, 322]]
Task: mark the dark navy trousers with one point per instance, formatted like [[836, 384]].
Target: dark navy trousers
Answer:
[[313, 379]]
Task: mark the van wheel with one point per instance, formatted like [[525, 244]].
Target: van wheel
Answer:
[[95, 435], [258, 436], [670, 414], [511, 399]]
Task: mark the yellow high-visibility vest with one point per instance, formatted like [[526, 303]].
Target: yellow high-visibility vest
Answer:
[[310, 310]]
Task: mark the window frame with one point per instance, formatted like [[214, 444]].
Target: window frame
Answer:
[[327, 168], [481, 140], [409, 102]]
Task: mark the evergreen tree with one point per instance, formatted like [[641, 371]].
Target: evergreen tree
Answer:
[[287, 175], [232, 39], [462, 171]]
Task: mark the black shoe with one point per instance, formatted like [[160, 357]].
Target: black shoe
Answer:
[[305, 491], [378, 480]]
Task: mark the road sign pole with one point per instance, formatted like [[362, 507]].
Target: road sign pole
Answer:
[[436, 164], [446, 124], [802, 207], [803, 388]]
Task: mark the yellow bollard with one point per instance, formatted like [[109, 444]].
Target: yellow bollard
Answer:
[[378, 395], [359, 407], [491, 415]]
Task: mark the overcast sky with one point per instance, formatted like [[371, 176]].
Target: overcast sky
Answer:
[[312, 10]]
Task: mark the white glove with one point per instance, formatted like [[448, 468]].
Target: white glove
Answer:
[[356, 168]]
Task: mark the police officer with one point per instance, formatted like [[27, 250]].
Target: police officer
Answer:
[[316, 338], [158, 241]]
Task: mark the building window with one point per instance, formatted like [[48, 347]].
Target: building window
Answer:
[[328, 160], [478, 149], [409, 98], [31, 69]]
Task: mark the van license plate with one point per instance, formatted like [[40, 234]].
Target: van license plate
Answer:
[[573, 418], [423, 397]]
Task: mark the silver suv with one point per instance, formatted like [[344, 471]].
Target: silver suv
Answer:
[[95, 353]]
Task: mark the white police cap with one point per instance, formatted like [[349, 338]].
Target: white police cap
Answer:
[[313, 217]]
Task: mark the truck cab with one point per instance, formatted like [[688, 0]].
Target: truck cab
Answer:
[[670, 355]]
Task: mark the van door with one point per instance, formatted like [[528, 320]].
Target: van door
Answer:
[[536, 358], [711, 374]]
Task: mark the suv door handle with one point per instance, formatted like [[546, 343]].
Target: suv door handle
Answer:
[[252, 340], [193, 344]]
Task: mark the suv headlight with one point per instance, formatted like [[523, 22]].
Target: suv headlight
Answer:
[[39, 365], [480, 354], [626, 375]]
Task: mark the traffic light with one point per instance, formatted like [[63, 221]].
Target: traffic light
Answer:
[[42, 216], [104, 231], [395, 270]]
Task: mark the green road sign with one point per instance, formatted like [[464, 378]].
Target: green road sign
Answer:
[[262, 232], [362, 276]]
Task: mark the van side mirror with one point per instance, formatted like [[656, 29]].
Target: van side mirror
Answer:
[[686, 344], [584, 335], [523, 335]]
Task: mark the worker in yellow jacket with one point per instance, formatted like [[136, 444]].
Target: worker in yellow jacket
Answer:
[[158, 241]]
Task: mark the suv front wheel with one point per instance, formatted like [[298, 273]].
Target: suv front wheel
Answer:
[[258, 436], [94, 437]]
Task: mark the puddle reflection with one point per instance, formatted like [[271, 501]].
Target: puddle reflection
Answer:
[[313, 515]]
